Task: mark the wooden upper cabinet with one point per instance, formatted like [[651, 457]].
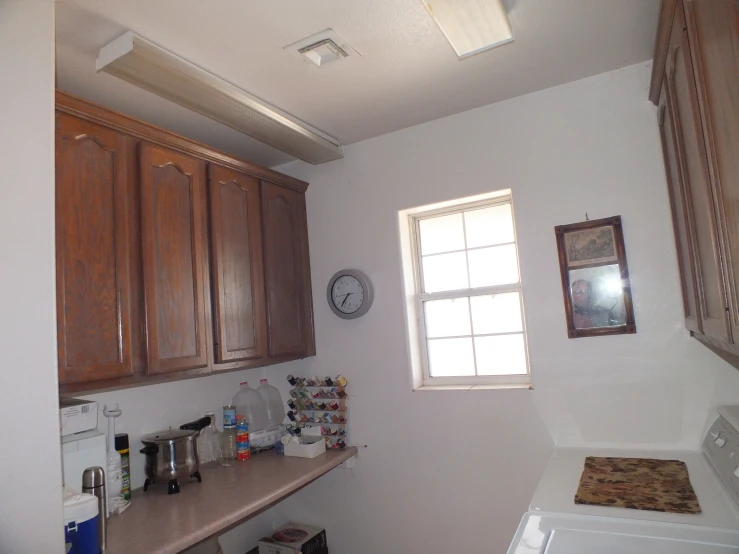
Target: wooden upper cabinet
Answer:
[[173, 259], [173, 234], [287, 272], [237, 269], [93, 284], [713, 34], [690, 149], [676, 190]]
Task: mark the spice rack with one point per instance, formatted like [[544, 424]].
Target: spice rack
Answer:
[[317, 407]]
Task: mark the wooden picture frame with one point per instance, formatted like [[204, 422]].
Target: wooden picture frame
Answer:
[[595, 278]]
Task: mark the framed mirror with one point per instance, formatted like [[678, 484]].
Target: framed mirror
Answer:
[[595, 278]]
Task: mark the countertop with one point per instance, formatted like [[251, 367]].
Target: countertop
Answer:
[[160, 523]]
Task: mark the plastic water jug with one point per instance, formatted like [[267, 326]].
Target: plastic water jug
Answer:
[[249, 403], [273, 400], [81, 515]]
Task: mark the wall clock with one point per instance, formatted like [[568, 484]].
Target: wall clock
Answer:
[[349, 293]]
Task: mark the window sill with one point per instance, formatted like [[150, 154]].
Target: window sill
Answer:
[[465, 388]]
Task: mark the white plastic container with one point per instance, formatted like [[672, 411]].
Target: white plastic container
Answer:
[[249, 403], [307, 447], [273, 401], [77, 416]]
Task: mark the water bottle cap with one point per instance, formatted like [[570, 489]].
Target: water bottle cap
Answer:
[[243, 383], [263, 381]]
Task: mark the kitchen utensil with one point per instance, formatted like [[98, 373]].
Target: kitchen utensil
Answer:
[[114, 470], [173, 454], [93, 482]]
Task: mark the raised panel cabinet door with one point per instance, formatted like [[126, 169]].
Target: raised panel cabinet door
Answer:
[[699, 197], [675, 188], [174, 264], [287, 272], [92, 278], [240, 321], [713, 33]]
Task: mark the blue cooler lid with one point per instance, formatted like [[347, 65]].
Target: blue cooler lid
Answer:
[[80, 507]]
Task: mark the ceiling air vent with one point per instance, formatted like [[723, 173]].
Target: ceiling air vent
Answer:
[[322, 48]]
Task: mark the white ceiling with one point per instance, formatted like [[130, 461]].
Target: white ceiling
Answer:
[[406, 73]]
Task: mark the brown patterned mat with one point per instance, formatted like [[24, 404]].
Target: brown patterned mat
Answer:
[[637, 483]]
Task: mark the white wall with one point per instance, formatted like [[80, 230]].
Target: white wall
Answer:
[[30, 475], [454, 471]]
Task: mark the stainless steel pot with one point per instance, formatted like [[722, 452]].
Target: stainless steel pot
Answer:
[[173, 454]]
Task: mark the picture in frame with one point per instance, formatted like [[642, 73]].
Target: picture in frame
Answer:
[[595, 278]]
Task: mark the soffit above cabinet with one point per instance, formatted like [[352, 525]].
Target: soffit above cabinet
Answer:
[[405, 72]]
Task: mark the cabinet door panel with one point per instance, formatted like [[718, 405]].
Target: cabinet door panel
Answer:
[[93, 284], [679, 219], [237, 266], [682, 102], [173, 240], [289, 312]]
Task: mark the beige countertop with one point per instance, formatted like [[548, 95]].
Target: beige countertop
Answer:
[[160, 523]]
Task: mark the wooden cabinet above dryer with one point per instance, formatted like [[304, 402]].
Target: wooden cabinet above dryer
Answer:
[[695, 83]]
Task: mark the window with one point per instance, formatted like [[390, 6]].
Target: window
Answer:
[[465, 304]]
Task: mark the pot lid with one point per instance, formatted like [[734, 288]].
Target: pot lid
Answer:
[[168, 435]]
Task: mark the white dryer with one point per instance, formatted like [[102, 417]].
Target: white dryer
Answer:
[[554, 524]]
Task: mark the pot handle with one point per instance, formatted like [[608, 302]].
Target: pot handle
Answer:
[[150, 449], [198, 425]]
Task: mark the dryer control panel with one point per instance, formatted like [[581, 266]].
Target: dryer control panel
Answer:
[[721, 447]]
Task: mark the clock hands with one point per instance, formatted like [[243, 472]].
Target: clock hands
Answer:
[[346, 297]]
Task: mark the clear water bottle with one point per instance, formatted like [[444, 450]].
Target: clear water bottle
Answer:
[[209, 441], [273, 401], [228, 445], [249, 403]]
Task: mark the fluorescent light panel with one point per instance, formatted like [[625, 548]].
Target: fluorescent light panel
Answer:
[[471, 26], [148, 66]]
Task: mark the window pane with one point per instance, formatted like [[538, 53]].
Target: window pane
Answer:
[[497, 313], [489, 226], [441, 234], [503, 355], [451, 357], [448, 318], [493, 266], [445, 272]]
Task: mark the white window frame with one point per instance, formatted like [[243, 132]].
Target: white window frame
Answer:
[[415, 298]]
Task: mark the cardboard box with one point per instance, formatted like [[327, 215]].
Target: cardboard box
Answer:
[[76, 416], [308, 447], [295, 538]]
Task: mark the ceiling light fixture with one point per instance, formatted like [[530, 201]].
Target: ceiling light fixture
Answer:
[[148, 66], [471, 26]]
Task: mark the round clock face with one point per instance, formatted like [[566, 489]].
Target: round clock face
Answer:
[[347, 294]]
